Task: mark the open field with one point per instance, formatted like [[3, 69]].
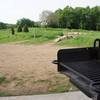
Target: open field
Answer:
[[86, 38], [35, 36], [45, 35], [27, 69]]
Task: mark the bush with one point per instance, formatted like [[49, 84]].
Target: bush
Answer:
[[3, 25], [26, 21], [61, 34], [25, 28], [12, 31], [19, 29]]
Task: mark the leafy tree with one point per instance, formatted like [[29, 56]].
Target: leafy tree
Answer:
[[52, 20], [3, 25], [25, 21], [73, 18], [95, 16], [79, 17], [59, 16], [98, 25]]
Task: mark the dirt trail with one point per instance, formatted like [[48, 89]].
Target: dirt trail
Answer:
[[27, 59], [28, 68]]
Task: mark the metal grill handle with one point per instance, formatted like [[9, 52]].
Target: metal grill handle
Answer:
[[55, 61], [97, 43]]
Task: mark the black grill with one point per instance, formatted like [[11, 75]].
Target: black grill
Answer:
[[82, 65]]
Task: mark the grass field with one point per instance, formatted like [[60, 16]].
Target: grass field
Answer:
[[43, 35], [84, 40], [35, 36]]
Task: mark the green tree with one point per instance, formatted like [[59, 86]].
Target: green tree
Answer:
[[25, 21], [59, 16], [52, 20], [98, 24], [79, 17], [95, 16], [3, 25]]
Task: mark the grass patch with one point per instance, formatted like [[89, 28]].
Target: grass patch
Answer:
[[34, 36], [86, 39], [44, 35], [2, 94], [59, 84], [2, 78], [59, 89]]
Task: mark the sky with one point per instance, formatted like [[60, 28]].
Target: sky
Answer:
[[12, 10]]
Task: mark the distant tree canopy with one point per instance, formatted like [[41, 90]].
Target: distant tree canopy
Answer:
[[3, 25], [25, 21], [52, 20], [79, 18], [73, 18], [49, 19], [44, 17]]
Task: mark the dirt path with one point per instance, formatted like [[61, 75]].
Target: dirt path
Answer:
[[28, 69]]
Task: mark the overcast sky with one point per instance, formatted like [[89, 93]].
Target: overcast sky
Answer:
[[12, 10]]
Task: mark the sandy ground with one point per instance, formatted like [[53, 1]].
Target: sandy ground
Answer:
[[28, 69]]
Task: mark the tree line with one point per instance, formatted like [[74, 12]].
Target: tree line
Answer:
[[20, 23], [73, 18]]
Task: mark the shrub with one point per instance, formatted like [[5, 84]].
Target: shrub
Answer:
[[12, 31], [3, 25], [19, 29], [25, 28], [61, 34]]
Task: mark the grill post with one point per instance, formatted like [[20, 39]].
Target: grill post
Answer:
[[96, 97]]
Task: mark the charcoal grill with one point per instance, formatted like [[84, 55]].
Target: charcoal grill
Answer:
[[82, 66]]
